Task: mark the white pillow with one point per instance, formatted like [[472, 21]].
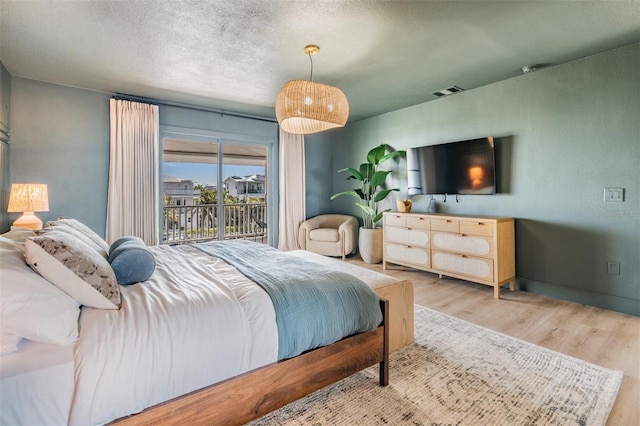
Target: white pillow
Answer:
[[81, 227], [32, 308], [17, 236], [74, 267], [8, 343], [65, 227]]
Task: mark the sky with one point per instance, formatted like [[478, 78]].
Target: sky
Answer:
[[206, 173]]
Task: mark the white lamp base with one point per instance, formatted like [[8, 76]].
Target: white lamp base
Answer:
[[28, 220]]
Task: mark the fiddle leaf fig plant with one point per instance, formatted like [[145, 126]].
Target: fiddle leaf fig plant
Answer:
[[370, 180]]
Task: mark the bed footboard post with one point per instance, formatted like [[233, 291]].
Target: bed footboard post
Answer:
[[384, 365]]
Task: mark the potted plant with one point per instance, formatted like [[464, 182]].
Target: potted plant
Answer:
[[369, 194]]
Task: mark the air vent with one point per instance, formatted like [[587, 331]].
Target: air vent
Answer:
[[448, 91]]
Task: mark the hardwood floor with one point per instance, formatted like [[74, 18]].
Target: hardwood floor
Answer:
[[606, 338]]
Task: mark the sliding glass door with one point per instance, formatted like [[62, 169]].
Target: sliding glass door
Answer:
[[215, 188]]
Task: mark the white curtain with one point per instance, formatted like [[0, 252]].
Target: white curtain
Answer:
[[292, 190], [132, 206]]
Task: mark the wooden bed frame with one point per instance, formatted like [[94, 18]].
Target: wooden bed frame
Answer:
[[401, 322], [253, 394]]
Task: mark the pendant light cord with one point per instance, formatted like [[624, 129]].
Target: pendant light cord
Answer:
[[311, 60]]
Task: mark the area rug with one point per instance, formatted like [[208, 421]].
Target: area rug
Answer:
[[457, 373]]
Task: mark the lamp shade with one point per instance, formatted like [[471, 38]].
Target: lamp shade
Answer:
[[305, 107], [28, 197]]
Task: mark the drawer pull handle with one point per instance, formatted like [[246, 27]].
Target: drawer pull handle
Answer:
[[463, 235], [480, 223]]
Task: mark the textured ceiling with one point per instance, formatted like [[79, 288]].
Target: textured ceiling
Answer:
[[235, 55]]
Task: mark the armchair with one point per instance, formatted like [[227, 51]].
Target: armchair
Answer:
[[329, 234]]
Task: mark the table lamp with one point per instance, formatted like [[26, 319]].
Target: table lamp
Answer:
[[28, 198]]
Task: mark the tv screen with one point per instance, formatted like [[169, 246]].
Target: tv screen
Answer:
[[466, 167]]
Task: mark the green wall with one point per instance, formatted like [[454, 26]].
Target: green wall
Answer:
[[562, 135], [319, 173]]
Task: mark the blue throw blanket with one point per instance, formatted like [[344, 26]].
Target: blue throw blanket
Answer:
[[314, 306]]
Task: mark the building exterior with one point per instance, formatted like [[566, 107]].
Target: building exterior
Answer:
[[252, 186], [178, 193]]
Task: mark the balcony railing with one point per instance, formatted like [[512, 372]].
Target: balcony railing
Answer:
[[182, 192], [198, 223]]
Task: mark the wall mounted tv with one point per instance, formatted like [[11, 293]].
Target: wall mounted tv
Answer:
[[465, 167]]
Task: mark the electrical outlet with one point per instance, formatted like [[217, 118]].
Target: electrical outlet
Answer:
[[614, 194], [613, 268]]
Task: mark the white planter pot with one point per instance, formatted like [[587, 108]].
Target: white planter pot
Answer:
[[370, 245]]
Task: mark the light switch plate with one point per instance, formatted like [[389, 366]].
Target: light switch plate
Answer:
[[614, 194]]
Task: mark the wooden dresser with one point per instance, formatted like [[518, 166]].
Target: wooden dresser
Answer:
[[473, 248]]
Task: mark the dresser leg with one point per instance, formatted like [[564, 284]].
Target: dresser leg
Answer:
[[496, 291]]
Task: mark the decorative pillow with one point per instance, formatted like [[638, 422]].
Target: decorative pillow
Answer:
[[131, 260], [8, 343], [65, 227], [75, 268], [88, 232], [123, 240], [32, 308]]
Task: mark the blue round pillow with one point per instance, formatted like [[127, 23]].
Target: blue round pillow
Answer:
[[117, 243], [132, 262]]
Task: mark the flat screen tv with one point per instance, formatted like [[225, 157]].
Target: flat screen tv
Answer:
[[465, 167]]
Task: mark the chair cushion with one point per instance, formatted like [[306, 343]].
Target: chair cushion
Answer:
[[325, 234]]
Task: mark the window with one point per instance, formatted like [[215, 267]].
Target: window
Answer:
[[194, 165]]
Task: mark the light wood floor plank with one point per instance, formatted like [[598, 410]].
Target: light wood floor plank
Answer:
[[606, 338]]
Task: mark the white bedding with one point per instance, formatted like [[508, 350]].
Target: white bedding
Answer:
[[187, 327], [195, 322], [36, 384]]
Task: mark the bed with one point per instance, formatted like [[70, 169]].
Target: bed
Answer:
[[81, 380]]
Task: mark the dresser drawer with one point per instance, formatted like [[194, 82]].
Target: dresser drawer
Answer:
[[446, 225], [418, 222], [463, 265], [475, 245], [395, 219], [476, 228], [406, 236], [404, 254]]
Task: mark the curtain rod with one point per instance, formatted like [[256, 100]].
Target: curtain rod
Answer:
[[122, 96]]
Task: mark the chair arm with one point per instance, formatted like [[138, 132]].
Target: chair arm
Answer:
[[305, 228], [349, 231]]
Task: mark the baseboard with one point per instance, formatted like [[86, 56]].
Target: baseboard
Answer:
[[585, 297]]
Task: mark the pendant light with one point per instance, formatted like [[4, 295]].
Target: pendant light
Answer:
[[305, 107]]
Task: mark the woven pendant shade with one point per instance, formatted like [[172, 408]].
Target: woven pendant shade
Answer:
[[305, 107]]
